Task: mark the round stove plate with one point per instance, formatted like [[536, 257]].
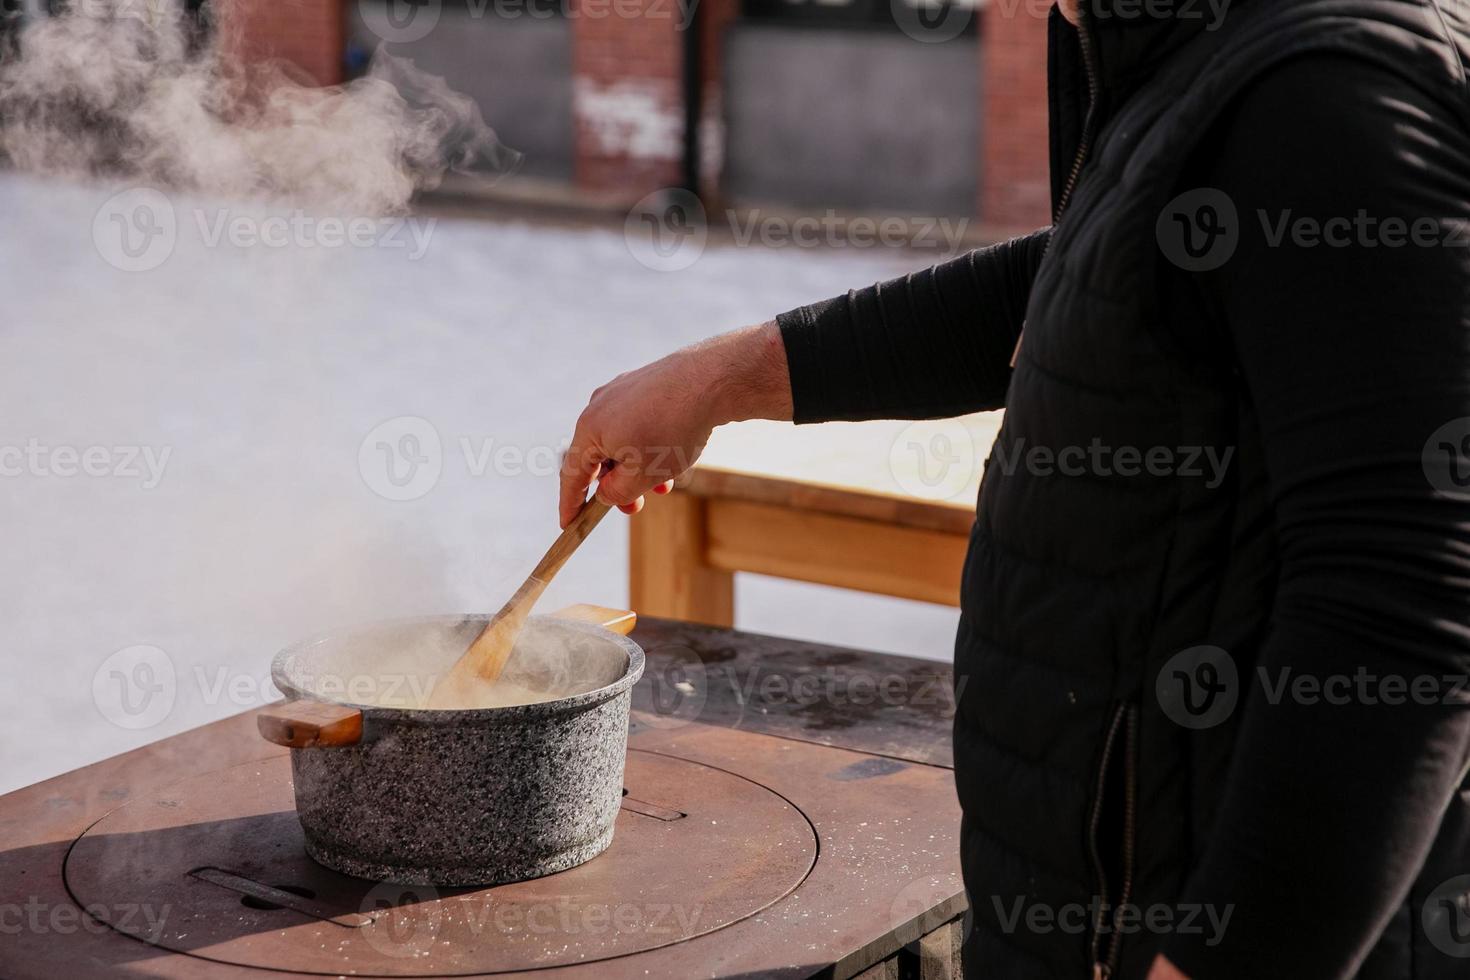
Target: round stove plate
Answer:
[[215, 866]]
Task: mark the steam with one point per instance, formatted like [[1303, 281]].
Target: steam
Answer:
[[399, 665], [100, 92]]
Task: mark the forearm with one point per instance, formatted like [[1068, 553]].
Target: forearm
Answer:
[[744, 373], [931, 344]]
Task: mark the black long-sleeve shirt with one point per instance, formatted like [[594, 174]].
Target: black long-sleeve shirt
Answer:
[[1354, 352]]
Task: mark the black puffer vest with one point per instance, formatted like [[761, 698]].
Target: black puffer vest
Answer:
[[1075, 780]]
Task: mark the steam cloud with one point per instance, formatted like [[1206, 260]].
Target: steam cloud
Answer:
[[118, 90]]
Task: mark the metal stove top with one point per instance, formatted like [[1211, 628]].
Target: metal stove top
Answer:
[[740, 851]]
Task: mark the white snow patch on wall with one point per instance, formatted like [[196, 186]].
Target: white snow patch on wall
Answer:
[[635, 118]]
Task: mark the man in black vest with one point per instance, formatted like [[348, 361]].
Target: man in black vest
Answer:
[[1215, 627]]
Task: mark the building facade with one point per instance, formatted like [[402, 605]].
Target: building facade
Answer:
[[853, 104]]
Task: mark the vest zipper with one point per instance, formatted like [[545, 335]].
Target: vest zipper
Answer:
[[1084, 143], [1124, 724]]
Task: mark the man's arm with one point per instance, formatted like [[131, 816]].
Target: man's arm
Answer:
[[931, 344], [651, 424], [1354, 352]]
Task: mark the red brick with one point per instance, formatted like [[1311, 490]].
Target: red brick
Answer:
[[1015, 190]]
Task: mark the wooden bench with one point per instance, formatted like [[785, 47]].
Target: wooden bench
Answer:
[[879, 507]]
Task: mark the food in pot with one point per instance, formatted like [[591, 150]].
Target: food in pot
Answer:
[[405, 666]]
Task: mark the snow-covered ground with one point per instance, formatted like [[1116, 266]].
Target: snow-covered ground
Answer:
[[187, 481]]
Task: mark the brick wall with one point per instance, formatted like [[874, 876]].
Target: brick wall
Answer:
[[627, 103], [307, 34], [714, 18], [1015, 190]]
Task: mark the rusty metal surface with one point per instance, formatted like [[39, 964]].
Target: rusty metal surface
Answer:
[[192, 849], [887, 869], [872, 702]]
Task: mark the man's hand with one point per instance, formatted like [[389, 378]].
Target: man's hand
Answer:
[[643, 429], [1164, 970]]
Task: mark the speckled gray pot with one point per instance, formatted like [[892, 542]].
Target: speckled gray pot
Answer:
[[471, 797]]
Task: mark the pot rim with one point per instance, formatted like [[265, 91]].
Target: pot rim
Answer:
[[456, 716]]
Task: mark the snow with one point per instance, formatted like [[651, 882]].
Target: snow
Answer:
[[243, 379]]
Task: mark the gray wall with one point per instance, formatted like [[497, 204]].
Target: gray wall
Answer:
[[518, 70], [855, 118]]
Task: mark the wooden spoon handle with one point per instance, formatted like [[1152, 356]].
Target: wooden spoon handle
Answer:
[[618, 620], [487, 655], [570, 538]]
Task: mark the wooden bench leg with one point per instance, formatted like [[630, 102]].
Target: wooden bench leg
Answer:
[[668, 576], [939, 953], [886, 970], [932, 957], [935, 956]]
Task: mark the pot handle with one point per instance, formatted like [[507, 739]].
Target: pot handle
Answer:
[[305, 724], [618, 620]]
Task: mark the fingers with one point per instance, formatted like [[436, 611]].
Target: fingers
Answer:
[[637, 505], [623, 486], [579, 467], [620, 482]]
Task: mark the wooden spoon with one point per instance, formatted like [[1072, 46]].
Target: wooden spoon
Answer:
[[487, 656]]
